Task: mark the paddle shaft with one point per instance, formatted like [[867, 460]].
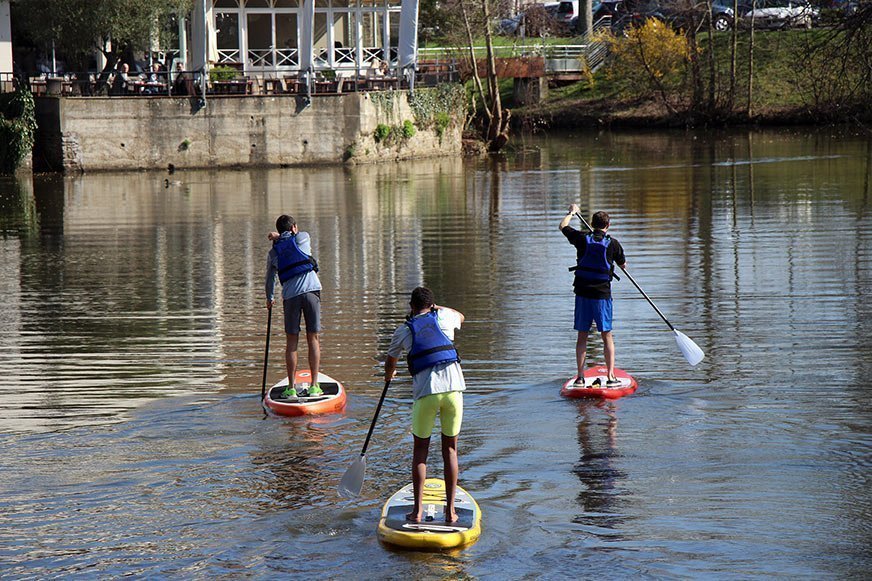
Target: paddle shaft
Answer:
[[624, 270], [266, 353], [381, 400]]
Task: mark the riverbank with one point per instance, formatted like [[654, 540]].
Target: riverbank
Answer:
[[791, 84]]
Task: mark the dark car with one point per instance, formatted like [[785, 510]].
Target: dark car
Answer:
[[722, 12]]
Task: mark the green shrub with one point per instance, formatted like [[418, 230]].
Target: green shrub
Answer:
[[382, 132], [442, 121], [408, 129], [222, 73]]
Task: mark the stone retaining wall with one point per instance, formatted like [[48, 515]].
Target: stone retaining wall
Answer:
[[94, 133]]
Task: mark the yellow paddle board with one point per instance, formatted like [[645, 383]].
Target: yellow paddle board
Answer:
[[432, 533]]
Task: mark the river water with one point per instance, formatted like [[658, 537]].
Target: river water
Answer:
[[132, 331]]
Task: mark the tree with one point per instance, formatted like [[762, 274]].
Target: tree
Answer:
[[79, 28]]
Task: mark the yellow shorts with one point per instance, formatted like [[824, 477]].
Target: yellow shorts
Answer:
[[448, 405]]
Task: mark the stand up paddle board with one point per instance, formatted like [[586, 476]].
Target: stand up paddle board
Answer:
[[332, 400], [432, 533], [592, 389]]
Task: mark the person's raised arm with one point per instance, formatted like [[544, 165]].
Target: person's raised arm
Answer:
[[459, 314], [573, 209], [390, 367]]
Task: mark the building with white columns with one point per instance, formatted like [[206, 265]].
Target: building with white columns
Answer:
[[289, 36]]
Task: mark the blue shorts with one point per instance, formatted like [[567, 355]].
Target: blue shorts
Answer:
[[588, 311]]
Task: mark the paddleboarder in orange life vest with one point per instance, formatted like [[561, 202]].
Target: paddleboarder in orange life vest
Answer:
[[597, 254], [437, 388]]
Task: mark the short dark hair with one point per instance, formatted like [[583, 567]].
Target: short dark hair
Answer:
[[600, 220], [284, 223], [422, 297]]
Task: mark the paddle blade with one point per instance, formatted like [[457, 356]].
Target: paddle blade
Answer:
[[352, 481], [689, 349]]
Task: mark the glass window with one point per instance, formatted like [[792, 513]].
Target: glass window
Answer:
[[286, 31], [257, 4], [260, 39], [287, 3], [227, 25], [320, 32], [372, 29], [226, 4]]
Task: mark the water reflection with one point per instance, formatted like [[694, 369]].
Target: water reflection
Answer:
[[119, 291], [601, 482]]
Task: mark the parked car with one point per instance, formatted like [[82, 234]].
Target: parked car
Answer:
[[601, 9], [781, 14], [722, 13], [538, 13]]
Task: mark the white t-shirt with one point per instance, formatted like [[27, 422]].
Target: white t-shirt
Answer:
[[441, 378]]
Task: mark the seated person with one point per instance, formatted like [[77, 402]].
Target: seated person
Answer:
[[184, 84], [156, 78], [121, 83]]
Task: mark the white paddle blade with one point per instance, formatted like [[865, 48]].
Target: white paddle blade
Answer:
[[352, 481], [689, 349]]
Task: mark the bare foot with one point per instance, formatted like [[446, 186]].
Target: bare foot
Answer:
[[413, 517], [451, 517]]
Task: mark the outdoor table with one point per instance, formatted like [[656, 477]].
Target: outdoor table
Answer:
[[240, 87], [140, 87], [272, 86], [382, 83], [325, 86]]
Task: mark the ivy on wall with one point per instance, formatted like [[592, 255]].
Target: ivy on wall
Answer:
[[435, 107], [17, 128]]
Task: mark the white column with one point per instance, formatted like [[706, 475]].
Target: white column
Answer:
[[408, 41], [307, 36], [200, 34], [5, 39], [183, 42]]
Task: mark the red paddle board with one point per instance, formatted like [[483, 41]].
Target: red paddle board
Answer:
[[591, 374]]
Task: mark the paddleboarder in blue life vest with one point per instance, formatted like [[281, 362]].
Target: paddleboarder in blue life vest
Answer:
[[291, 259], [437, 388], [597, 254]]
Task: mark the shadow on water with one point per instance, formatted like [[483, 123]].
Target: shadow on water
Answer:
[[600, 497]]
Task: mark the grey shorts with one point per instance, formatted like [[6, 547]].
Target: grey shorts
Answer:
[[309, 306]]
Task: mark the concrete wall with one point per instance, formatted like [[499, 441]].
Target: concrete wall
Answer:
[[94, 133]]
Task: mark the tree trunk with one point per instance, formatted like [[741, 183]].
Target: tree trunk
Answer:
[[734, 41], [475, 77], [497, 130], [749, 111], [713, 75], [585, 18]]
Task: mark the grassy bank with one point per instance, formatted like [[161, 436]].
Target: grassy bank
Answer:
[[784, 90]]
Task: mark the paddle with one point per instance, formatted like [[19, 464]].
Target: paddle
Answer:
[[689, 349], [266, 353], [352, 481]]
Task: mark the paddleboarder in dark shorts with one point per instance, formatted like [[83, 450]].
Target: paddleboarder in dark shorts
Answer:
[[291, 259], [437, 388], [597, 254]]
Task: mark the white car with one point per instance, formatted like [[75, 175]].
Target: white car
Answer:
[[781, 14]]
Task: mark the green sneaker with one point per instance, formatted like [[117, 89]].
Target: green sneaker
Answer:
[[289, 392], [315, 389]]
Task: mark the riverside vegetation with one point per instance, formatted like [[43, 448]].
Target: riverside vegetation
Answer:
[[659, 76]]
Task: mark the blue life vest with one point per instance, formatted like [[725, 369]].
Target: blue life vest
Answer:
[[430, 345], [292, 261], [594, 265]]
